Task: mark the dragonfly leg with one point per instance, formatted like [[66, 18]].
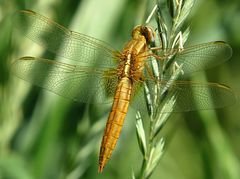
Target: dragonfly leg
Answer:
[[149, 71]]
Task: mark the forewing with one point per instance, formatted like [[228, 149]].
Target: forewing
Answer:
[[84, 84], [193, 58], [203, 56], [74, 46]]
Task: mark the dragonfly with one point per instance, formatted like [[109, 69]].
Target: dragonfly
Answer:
[[94, 72]]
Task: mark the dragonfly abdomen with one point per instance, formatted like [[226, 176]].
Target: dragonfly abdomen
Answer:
[[115, 120]]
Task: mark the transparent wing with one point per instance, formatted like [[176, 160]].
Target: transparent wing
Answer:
[[84, 84], [74, 46], [88, 85], [190, 96], [200, 96], [195, 58], [203, 56]]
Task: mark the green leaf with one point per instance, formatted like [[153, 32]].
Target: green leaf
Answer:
[[155, 156], [141, 134]]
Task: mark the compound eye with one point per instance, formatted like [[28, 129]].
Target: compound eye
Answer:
[[149, 34]]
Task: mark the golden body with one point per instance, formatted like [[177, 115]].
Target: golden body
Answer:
[[130, 70]]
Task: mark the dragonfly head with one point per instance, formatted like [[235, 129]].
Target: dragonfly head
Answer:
[[145, 31]]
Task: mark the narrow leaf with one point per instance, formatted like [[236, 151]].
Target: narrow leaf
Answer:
[[155, 156], [141, 134]]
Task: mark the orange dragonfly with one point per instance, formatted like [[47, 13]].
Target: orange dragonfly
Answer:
[[114, 73]]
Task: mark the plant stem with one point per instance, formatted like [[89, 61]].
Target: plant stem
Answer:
[[157, 97]]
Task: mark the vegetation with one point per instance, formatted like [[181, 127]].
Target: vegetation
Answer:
[[43, 135]]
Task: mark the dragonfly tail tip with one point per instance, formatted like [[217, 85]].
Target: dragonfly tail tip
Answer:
[[100, 169]]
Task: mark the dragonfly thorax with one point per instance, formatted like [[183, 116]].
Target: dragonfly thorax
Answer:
[[135, 52]]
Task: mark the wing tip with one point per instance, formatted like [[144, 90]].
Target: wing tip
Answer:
[[227, 47], [26, 58], [27, 11]]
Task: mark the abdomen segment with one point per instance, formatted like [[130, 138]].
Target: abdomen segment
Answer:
[[115, 120]]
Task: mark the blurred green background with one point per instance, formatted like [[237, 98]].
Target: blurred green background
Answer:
[[45, 136]]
